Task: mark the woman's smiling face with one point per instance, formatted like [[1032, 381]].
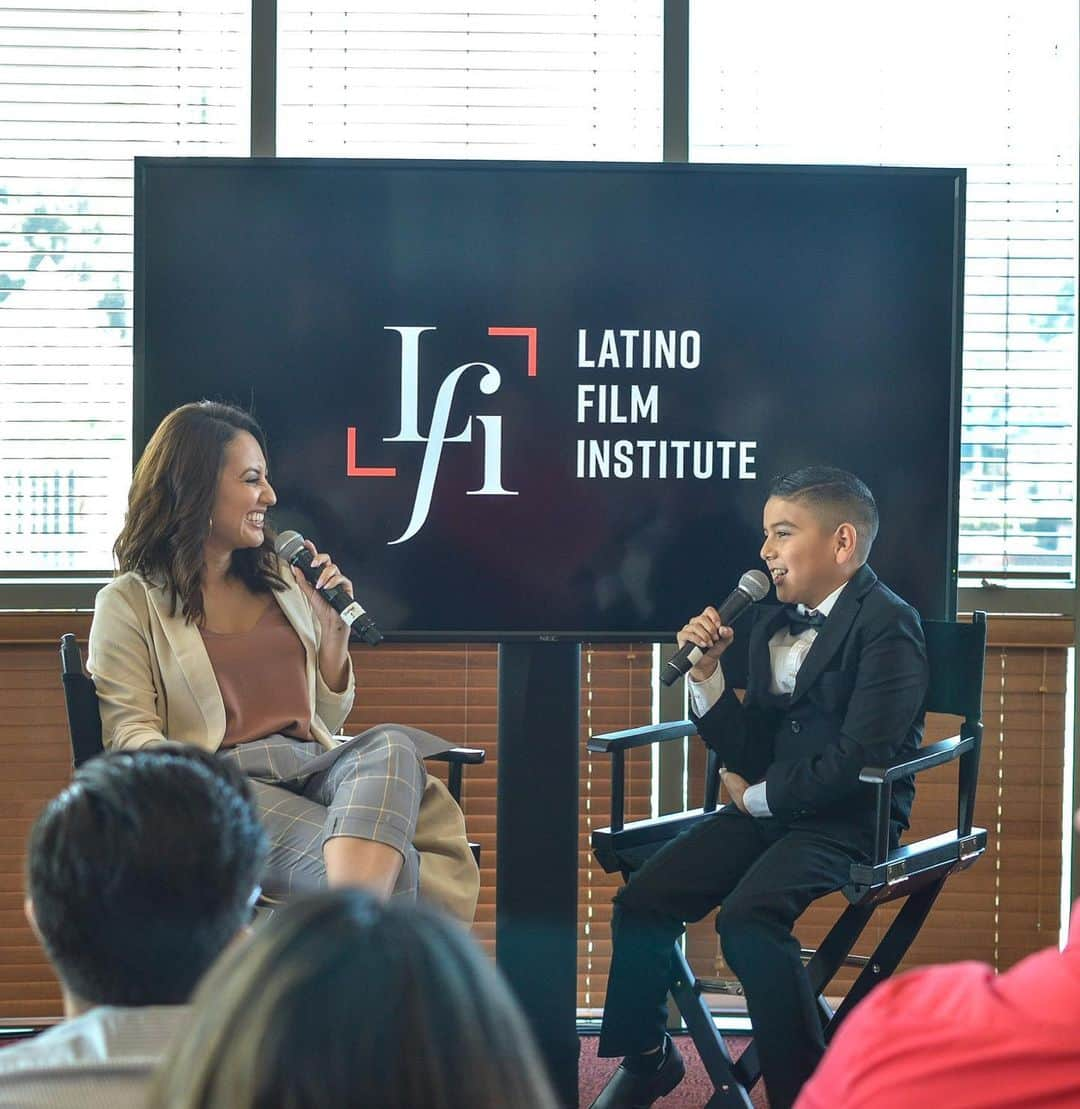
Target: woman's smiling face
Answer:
[[243, 496]]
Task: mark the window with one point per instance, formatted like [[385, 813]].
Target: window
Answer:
[[83, 89], [563, 79], [991, 86]]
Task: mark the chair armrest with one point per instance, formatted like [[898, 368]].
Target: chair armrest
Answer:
[[469, 756], [935, 754], [458, 757], [611, 742]]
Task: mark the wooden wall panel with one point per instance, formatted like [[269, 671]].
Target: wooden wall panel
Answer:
[[448, 689], [616, 692], [35, 764], [1004, 907]]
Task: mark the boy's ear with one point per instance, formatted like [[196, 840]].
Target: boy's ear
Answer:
[[846, 540]]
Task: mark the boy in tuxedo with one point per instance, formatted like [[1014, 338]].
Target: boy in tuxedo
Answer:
[[837, 678]]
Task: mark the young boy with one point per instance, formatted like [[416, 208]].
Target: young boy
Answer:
[[837, 677]]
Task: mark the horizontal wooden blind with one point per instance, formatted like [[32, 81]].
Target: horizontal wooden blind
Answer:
[[616, 689], [1004, 907], [35, 764], [1008, 904], [450, 690]]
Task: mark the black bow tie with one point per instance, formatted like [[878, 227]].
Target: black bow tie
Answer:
[[798, 621]]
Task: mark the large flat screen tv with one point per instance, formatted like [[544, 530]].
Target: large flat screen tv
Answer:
[[544, 400]]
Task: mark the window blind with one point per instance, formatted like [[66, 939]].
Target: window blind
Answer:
[[565, 79], [83, 88], [616, 693], [990, 86], [449, 689]]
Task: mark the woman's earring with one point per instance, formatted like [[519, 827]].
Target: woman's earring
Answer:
[[210, 530]]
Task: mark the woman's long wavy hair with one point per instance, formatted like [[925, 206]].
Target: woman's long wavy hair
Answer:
[[171, 500], [340, 1001]]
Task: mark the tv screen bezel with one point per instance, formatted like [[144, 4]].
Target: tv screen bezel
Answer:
[[141, 422]]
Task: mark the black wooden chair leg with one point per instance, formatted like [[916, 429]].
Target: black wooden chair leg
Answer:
[[835, 947], [892, 948], [710, 1045], [748, 1067]]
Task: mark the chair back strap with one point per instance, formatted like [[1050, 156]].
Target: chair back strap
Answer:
[[81, 703], [956, 654]]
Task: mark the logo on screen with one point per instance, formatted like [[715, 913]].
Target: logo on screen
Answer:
[[438, 435]]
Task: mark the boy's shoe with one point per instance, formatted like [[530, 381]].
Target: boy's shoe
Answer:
[[628, 1090]]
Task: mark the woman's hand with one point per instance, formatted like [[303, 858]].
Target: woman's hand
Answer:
[[329, 576], [334, 641]]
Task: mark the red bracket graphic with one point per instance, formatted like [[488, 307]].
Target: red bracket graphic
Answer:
[[524, 333], [352, 470]]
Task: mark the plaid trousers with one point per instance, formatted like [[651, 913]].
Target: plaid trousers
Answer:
[[368, 787]]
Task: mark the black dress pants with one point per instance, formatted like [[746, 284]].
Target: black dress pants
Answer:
[[764, 874]]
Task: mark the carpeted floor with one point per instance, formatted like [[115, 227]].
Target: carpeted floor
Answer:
[[692, 1093]]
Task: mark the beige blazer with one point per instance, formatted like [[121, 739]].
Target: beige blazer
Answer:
[[154, 679]]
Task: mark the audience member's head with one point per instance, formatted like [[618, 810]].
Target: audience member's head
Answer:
[[140, 873], [339, 1000]]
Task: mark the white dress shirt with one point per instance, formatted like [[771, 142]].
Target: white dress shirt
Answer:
[[787, 653], [104, 1059]]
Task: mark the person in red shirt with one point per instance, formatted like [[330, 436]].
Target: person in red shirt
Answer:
[[961, 1036]]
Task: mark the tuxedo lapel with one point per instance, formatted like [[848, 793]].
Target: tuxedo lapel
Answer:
[[834, 631]]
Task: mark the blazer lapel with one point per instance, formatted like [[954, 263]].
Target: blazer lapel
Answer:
[[189, 654], [835, 629], [298, 612]]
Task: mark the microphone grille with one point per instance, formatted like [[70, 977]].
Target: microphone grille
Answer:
[[754, 584], [288, 543]]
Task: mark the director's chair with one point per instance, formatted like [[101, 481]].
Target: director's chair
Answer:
[[914, 873]]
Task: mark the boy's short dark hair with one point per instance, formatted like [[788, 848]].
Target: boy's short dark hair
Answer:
[[141, 871], [836, 497]]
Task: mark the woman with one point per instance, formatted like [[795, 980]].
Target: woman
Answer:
[[207, 637], [410, 1015]]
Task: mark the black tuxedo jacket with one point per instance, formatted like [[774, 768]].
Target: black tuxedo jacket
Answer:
[[858, 701]]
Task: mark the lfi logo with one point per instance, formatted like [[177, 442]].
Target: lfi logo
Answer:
[[438, 437]]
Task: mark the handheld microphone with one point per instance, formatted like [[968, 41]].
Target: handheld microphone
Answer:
[[753, 585], [290, 546]]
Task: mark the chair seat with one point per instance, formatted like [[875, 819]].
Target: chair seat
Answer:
[[912, 865], [906, 868], [629, 847]]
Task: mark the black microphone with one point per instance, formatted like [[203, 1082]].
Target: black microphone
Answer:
[[753, 585], [290, 546]]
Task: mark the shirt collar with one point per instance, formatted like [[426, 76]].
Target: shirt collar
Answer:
[[826, 605]]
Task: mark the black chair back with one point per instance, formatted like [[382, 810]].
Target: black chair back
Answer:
[[956, 653], [80, 700]]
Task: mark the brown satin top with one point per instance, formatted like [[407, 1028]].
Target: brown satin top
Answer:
[[263, 680]]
